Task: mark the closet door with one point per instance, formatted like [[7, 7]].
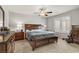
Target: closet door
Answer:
[[65, 25], [57, 25]]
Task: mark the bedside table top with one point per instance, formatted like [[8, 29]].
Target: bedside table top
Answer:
[[18, 33]]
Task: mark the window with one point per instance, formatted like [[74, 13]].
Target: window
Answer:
[[62, 25]]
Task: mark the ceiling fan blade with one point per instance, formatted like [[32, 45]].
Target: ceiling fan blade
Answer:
[[46, 14], [49, 12], [42, 9]]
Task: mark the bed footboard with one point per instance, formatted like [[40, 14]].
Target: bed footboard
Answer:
[[35, 43]]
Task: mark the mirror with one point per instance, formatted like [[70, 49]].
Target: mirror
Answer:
[[1, 17], [3, 30]]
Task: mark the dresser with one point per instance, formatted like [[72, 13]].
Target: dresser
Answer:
[[19, 36], [7, 44]]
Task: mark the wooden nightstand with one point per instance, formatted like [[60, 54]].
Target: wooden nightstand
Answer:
[[19, 36]]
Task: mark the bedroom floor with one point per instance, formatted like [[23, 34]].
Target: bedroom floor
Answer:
[[62, 46]]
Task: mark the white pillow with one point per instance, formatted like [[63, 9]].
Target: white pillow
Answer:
[[27, 30], [38, 30]]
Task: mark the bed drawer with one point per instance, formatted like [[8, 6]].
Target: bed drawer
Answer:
[[53, 39], [41, 42]]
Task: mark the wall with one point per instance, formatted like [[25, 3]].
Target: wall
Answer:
[[74, 15], [15, 18]]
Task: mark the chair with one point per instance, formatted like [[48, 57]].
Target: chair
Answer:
[[74, 36]]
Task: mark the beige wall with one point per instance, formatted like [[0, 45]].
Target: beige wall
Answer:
[[15, 18], [11, 19], [74, 15]]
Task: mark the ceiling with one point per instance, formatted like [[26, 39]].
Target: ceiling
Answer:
[[30, 9]]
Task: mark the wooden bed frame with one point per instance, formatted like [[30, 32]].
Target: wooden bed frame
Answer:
[[36, 43]]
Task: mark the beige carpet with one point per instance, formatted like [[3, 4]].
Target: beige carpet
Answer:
[[62, 46]]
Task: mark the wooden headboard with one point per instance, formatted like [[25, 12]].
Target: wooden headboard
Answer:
[[32, 26]]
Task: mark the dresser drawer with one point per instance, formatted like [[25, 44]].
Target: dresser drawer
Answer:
[[19, 33], [19, 36]]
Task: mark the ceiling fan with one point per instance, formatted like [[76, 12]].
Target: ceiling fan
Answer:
[[43, 12]]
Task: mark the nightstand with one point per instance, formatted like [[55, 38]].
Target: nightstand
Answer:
[[19, 36]]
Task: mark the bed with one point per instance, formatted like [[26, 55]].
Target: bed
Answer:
[[38, 37]]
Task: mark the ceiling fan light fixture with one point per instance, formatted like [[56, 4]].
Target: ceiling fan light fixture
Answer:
[[42, 13]]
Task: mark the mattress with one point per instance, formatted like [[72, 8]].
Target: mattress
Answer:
[[40, 35]]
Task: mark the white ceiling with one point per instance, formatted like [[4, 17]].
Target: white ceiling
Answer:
[[30, 9]]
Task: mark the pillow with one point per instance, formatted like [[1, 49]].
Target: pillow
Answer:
[[38, 30], [28, 31], [31, 30]]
